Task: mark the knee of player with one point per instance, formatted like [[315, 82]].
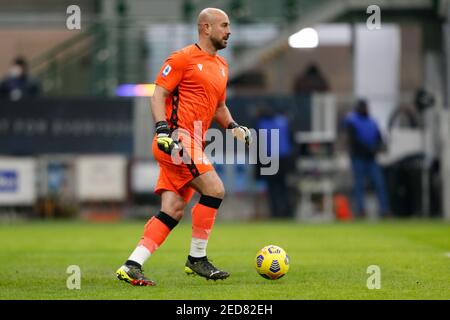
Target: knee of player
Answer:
[[178, 214], [174, 210], [216, 192]]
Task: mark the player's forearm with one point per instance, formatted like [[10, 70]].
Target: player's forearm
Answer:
[[223, 116], [158, 104], [158, 109]]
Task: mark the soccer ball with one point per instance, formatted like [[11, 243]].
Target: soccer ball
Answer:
[[272, 262]]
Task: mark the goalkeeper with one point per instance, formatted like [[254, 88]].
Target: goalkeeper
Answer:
[[190, 91]]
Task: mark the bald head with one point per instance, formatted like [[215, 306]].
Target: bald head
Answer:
[[210, 15], [214, 26]]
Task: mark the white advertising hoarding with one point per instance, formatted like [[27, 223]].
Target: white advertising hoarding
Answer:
[[17, 181], [144, 176], [101, 178]]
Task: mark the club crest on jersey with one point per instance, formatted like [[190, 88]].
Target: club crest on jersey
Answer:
[[223, 72], [200, 66], [166, 70]]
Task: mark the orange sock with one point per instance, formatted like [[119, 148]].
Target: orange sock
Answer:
[[203, 216], [156, 231]]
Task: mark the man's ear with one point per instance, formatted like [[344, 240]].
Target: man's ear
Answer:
[[208, 28]]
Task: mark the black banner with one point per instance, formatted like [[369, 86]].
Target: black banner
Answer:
[[85, 125], [234, 309]]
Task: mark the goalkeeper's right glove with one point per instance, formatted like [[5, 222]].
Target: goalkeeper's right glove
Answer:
[[164, 140], [241, 133]]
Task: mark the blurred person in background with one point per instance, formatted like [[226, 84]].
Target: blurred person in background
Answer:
[[277, 185], [365, 142], [312, 80], [18, 84], [190, 91]]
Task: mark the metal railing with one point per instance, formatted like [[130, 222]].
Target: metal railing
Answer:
[[69, 68]]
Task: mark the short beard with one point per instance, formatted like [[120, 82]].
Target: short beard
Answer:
[[218, 44]]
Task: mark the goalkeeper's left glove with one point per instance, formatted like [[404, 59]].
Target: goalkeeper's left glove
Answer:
[[163, 139], [241, 133]]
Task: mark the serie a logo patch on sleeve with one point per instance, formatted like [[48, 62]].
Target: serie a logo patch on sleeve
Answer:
[[166, 70]]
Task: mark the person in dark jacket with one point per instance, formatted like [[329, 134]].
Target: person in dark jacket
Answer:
[[365, 142], [277, 185], [18, 84]]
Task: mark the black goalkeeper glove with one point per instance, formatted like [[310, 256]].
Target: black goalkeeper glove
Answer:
[[241, 133], [164, 140]]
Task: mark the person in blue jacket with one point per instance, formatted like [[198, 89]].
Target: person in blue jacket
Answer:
[[365, 142], [277, 186]]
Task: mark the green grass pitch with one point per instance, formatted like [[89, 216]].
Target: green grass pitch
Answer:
[[328, 261]]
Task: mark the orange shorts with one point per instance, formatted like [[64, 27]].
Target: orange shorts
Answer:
[[175, 175]]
